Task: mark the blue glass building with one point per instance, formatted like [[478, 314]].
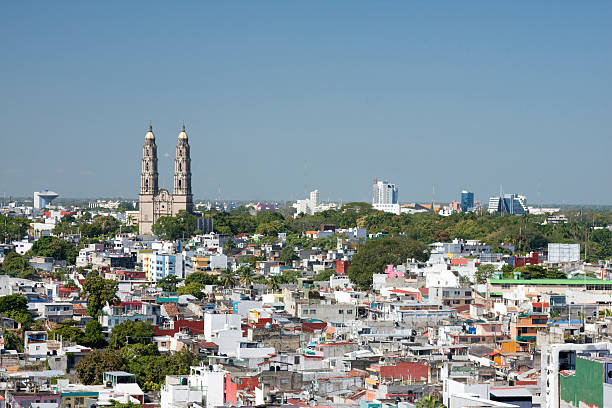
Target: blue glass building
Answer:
[[467, 201]]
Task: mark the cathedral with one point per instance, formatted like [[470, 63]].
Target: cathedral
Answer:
[[155, 202]]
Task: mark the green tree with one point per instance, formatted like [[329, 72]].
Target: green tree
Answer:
[[66, 226], [324, 275], [12, 341], [173, 228], [99, 292], [484, 272], [125, 206], [93, 336], [168, 283], [91, 367], [287, 255], [508, 271], [193, 289], [246, 275], [100, 225], [539, 272], [227, 277], [129, 404], [289, 276], [13, 228], [429, 402], [56, 248], [13, 303], [15, 264], [68, 332], [130, 332], [228, 247], [374, 255], [202, 278], [167, 227], [274, 283]]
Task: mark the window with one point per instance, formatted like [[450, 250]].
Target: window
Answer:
[[313, 311], [305, 311], [340, 311], [539, 321], [350, 311]]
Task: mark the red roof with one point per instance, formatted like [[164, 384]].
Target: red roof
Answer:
[[405, 370], [209, 345], [402, 291], [194, 326]]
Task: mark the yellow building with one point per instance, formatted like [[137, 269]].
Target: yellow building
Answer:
[[132, 218], [200, 263]]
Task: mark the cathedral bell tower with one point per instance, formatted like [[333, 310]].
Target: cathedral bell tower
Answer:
[[148, 182], [183, 199]]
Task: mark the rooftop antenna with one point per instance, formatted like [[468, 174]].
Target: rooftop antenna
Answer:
[[433, 197]]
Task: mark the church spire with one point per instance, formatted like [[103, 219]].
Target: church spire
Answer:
[[182, 165], [148, 174]]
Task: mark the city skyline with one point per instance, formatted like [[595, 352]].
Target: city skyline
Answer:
[[280, 100]]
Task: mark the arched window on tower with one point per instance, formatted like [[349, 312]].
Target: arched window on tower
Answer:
[[180, 183], [147, 184], [147, 166], [180, 166]]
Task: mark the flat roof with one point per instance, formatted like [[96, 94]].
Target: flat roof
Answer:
[[119, 373], [510, 392], [574, 282]]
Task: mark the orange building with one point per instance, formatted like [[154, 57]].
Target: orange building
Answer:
[[524, 328]]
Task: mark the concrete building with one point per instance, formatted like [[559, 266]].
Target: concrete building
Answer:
[[509, 204], [155, 202], [43, 198], [158, 266], [576, 375], [385, 197], [467, 201]]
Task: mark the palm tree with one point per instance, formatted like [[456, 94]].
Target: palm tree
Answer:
[[429, 402], [274, 284], [227, 278], [246, 275]]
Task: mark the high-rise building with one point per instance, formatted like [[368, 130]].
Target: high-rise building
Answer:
[[385, 197], [467, 201], [314, 198], [43, 198], [509, 203], [155, 202], [311, 205]]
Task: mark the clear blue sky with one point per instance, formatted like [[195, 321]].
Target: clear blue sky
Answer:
[[283, 97]]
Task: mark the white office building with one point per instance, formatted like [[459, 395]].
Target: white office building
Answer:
[[385, 197], [509, 203]]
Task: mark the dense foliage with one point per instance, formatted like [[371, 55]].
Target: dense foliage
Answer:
[[16, 307], [375, 254], [13, 228], [100, 225], [18, 266], [143, 360], [172, 228], [56, 248], [130, 332], [99, 292]]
